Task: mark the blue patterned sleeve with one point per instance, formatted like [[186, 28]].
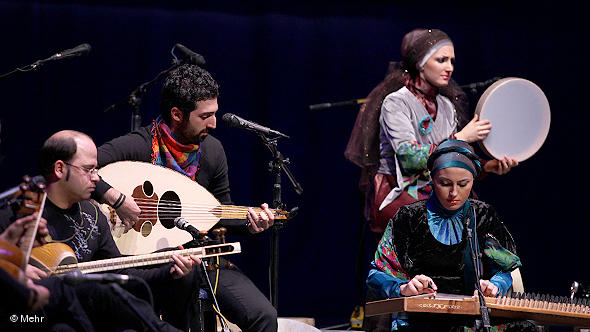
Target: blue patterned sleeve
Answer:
[[383, 285], [502, 280]]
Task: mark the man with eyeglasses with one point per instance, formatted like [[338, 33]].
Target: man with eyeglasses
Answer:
[[68, 162]]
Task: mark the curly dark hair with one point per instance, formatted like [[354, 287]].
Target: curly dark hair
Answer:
[[184, 87]]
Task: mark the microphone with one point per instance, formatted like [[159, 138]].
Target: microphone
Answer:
[[322, 106], [72, 52], [189, 56], [480, 85], [184, 225], [233, 120], [77, 277]]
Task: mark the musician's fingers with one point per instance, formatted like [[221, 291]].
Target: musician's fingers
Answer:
[[187, 263], [505, 163], [42, 229], [427, 283], [251, 215], [176, 272], [417, 285], [494, 290], [433, 286], [34, 273], [484, 124], [183, 264], [268, 212], [500, 168], [481, 136], [483, 285], [25, 221], [196, 259], [484, 132], [488, 288], [252, 227], [475, 118], [408, 289], [511, 162]]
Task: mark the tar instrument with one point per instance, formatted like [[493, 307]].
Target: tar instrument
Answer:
[[520, 116], [163, 194], [59, 258], [542, 308], [28, 198]]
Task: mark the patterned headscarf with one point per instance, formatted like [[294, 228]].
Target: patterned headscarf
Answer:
[[454, 153]]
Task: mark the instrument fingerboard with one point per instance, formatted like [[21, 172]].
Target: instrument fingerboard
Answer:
[[148, 259]]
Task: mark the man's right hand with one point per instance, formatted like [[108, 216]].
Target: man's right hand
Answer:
[[128, 212]]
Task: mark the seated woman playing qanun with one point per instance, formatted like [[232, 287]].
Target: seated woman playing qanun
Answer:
[[425, 247]]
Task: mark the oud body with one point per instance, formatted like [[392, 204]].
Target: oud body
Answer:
[[163, 195]]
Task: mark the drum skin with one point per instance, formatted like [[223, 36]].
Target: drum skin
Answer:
[[520, 116]]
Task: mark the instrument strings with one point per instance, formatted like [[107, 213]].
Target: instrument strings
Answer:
[[169, 208]]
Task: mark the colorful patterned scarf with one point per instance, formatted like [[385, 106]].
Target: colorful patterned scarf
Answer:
[[168, 152]]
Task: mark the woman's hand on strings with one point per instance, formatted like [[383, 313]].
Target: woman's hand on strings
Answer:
[[420, 284], [487, 288]]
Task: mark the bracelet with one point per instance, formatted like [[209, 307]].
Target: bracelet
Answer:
[[119, 201]]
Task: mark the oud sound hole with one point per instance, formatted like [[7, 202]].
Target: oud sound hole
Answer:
[[148, 189], [169, 209]]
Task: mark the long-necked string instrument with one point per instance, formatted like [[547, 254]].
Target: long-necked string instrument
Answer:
[[59, 258], [163, 195], [28, 198]]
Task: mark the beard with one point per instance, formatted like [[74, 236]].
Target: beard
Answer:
[[188, 137]]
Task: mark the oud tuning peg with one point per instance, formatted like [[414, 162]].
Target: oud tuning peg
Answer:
[[202, 235], [217, 233]]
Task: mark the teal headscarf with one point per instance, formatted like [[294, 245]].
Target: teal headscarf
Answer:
[[454, 153], [447, 225]]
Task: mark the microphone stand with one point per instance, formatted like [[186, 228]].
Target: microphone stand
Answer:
[[224, 326], [278, 162], [135, 98], [484, 324], [33, 66]]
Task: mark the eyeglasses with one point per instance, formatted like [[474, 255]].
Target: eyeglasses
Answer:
[[91, 171]]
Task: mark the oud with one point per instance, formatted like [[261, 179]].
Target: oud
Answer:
[[163, 195]]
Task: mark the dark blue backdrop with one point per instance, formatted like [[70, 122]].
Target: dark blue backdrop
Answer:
[[273, 59]]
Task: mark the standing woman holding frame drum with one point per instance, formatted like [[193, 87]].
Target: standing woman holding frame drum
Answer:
[[416, 107]]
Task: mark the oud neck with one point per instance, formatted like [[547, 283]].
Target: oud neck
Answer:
[[149, 259], [239, 212], [28, 238]]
